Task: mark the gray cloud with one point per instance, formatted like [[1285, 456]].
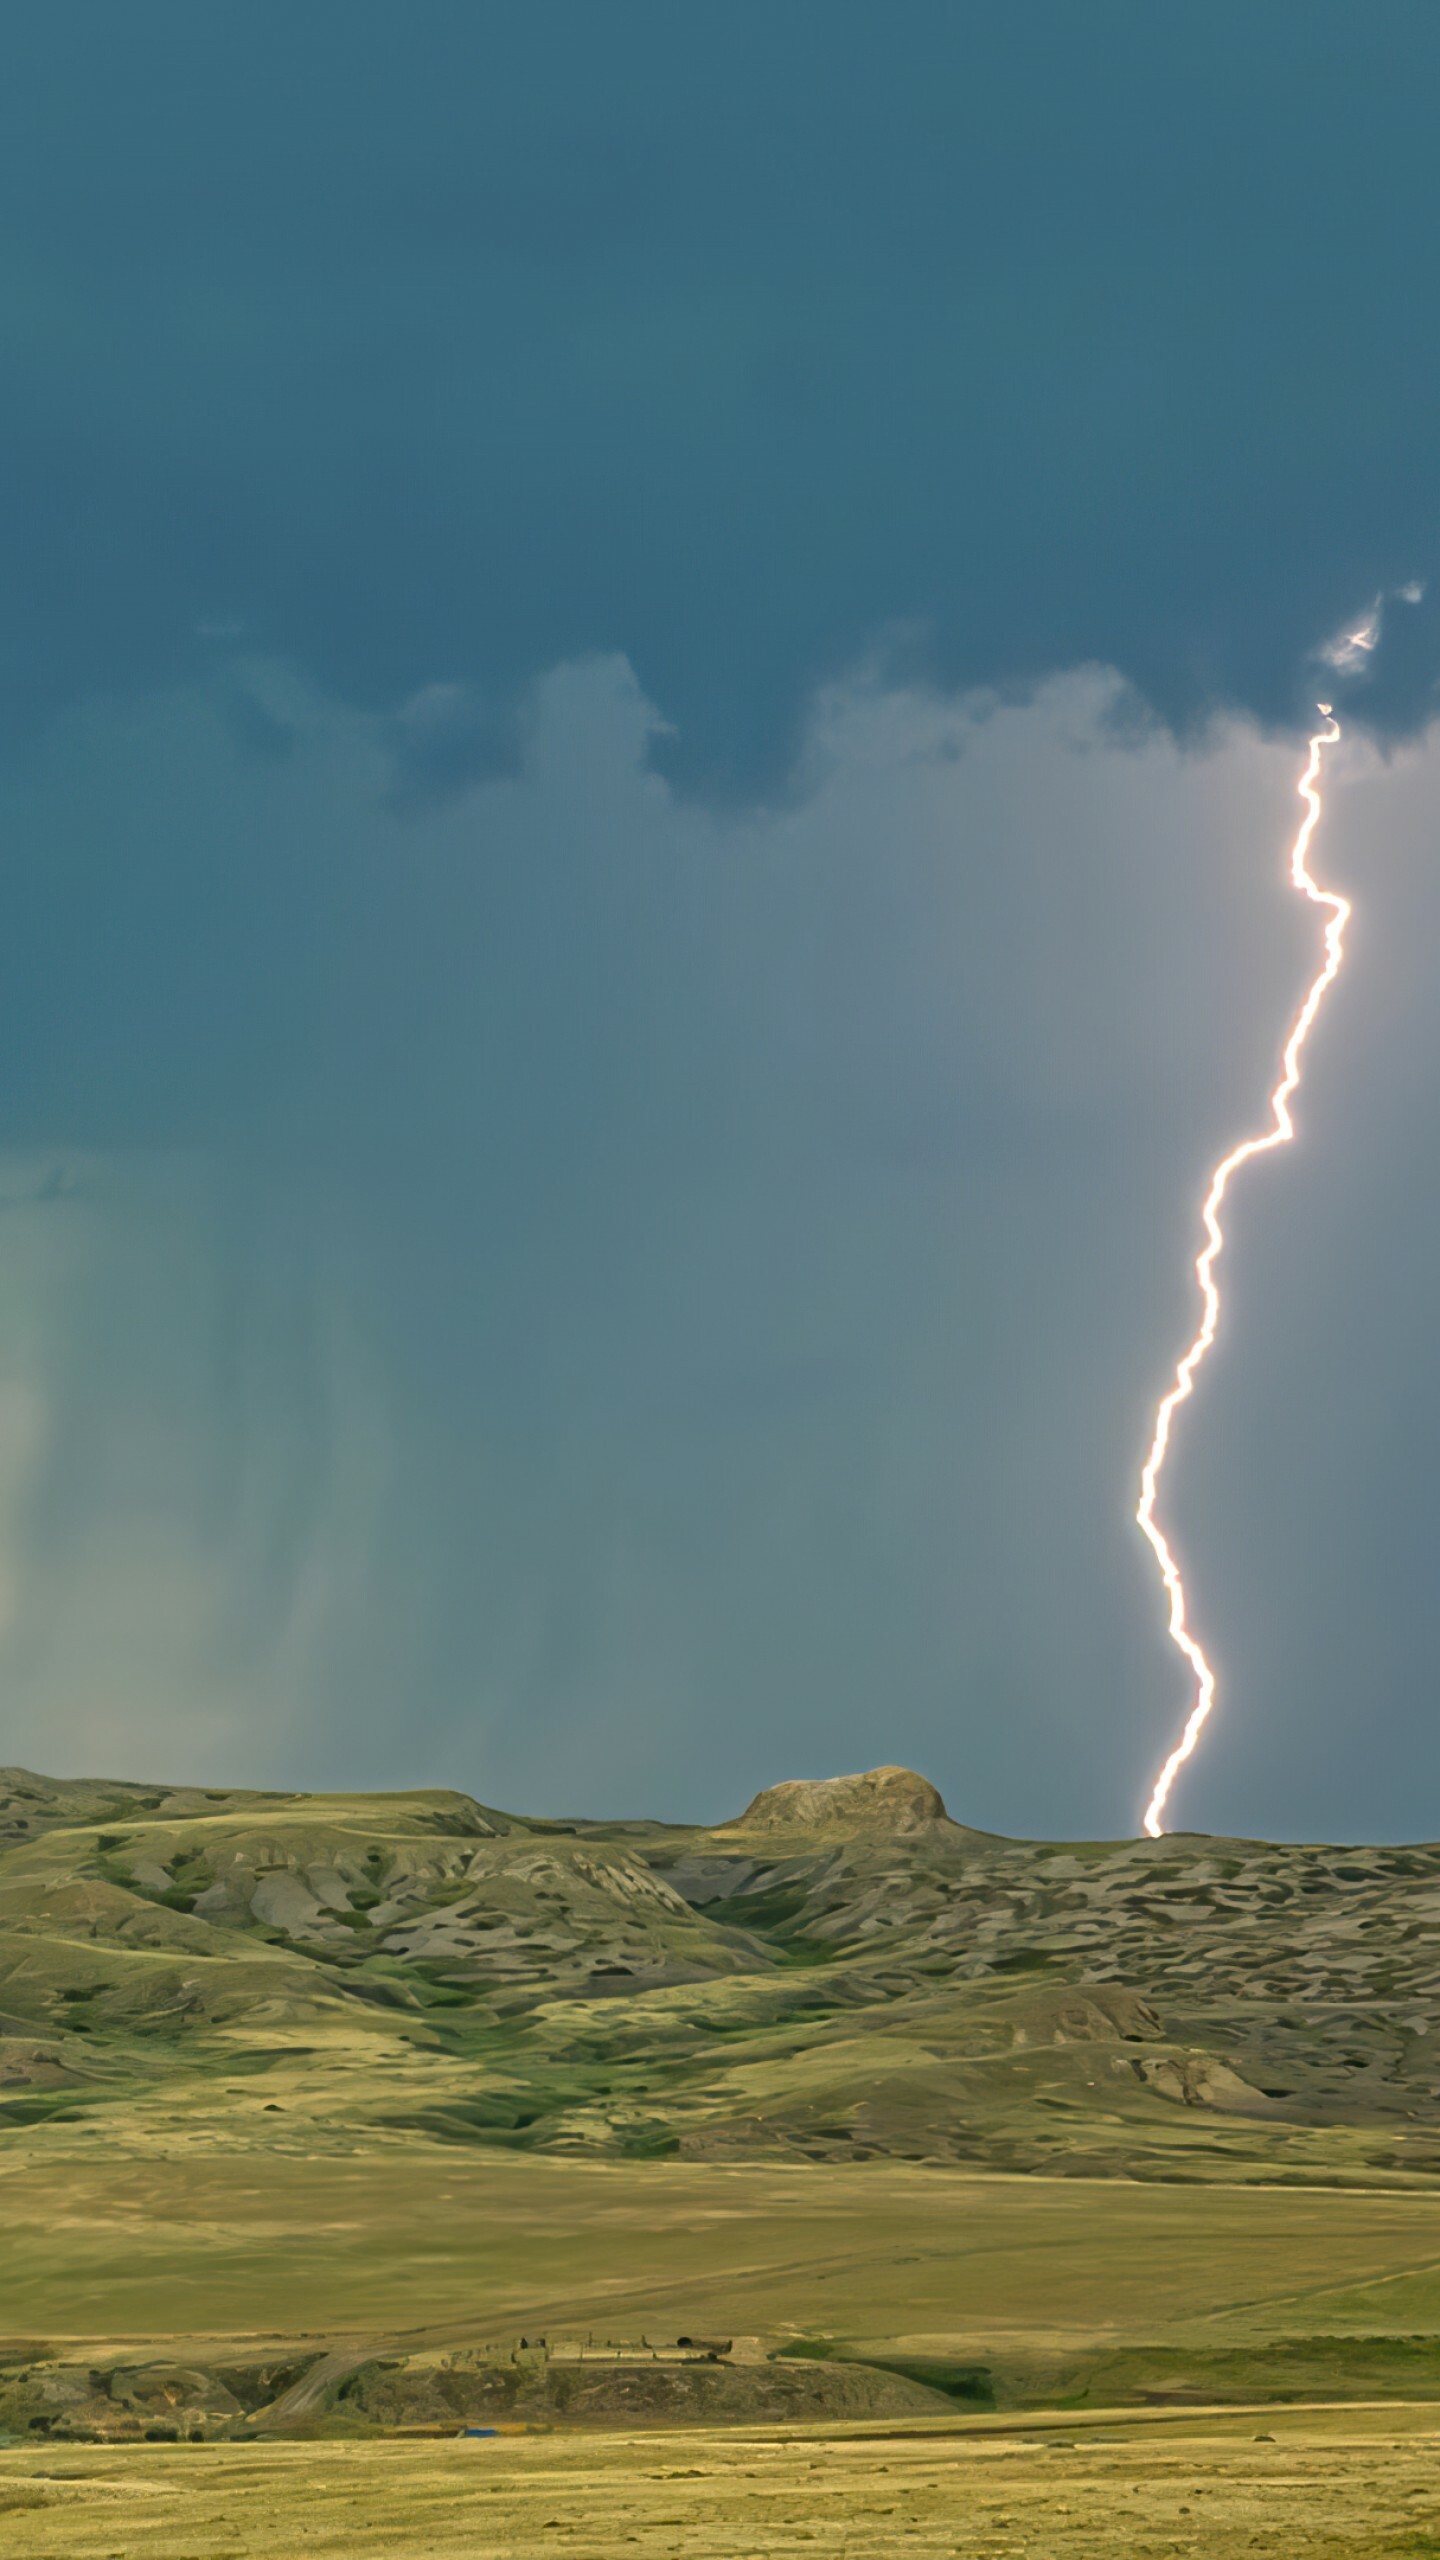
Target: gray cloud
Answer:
[[667, 1296], [724, 338], [628, 1062]]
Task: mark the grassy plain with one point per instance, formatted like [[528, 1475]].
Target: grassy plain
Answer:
[[468, 2245], [1362, 2486]]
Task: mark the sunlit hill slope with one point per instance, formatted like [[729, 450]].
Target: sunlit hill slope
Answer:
[[840, 1973]]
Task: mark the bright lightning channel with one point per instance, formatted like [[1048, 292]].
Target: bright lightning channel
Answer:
[[1279, 1134]]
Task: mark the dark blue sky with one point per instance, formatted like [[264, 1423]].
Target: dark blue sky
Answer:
[[729, 336], [625, 1137]]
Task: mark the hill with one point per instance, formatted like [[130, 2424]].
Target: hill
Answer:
[[315, 2109], [841, 1972]]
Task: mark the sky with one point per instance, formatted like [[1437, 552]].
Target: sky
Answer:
[[652, 668]]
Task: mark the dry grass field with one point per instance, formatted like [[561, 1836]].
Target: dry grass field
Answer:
[[484, 2245], [1273, 2487]]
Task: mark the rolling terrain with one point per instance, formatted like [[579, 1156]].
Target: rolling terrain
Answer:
[[312, 2107], [841, 1973]]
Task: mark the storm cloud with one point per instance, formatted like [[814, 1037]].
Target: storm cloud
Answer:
[[651, 672], [731, 338], [671, 1292]]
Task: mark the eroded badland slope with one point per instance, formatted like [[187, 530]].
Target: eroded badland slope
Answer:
[[840, 1973], [314, 2109]]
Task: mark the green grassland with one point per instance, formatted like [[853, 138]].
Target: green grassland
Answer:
[[874, 1982], [387, 2082], [488, 2245]]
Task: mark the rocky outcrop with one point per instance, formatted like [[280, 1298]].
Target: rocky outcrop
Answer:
[[1202, 2080], [889, 1799]]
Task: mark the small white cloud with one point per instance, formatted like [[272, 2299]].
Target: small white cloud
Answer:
[[1354, 644], [1351, 647]]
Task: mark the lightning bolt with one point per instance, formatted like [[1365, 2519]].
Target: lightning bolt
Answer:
[[1279, 1134]]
